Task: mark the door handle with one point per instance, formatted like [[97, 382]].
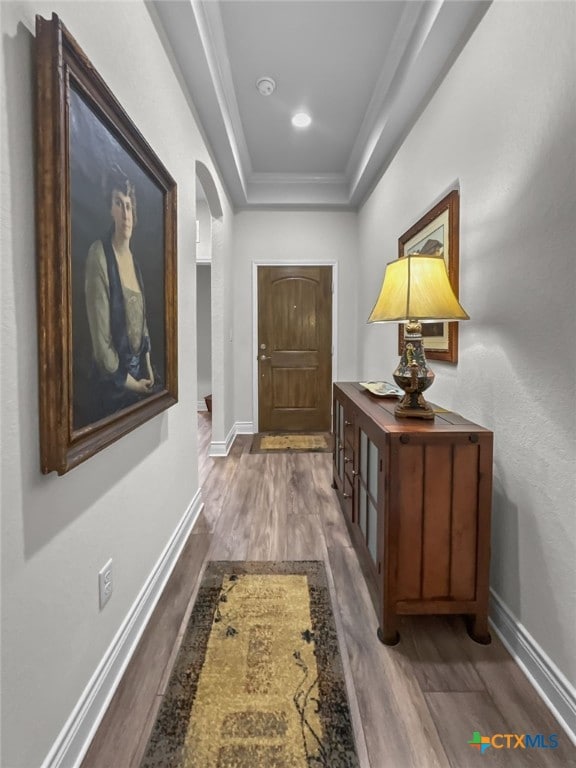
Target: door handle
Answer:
[[265, 357]]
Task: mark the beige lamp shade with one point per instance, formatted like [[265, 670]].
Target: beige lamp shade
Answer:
[[416, 287]]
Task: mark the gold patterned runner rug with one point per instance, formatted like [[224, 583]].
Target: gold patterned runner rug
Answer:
[[291, 442], [258, 680]]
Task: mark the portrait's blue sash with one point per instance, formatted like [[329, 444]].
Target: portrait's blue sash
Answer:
[[129, 360]]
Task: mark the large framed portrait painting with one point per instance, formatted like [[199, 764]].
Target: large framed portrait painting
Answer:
[[106, 222], [437, 232]]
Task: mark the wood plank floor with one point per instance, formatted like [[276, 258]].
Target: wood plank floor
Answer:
[[413, 705]]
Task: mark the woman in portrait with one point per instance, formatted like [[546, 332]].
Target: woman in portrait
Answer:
[[116, 307]]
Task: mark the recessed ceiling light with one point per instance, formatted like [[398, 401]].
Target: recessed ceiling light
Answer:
[[301, 120]]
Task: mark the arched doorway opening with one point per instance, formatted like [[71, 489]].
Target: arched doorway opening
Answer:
[[209, 334]]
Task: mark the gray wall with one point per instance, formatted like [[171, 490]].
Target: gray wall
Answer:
[[503, 126], [292, 236], [204, 329], [124, 503]]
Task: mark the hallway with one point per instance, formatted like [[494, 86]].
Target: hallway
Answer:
[[414, 705]]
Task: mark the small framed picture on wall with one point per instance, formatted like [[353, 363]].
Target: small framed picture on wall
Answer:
[[437, 232]]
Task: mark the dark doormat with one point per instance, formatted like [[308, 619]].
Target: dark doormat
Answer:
[[292, 442]]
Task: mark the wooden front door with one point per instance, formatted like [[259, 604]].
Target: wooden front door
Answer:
[[294, 348]]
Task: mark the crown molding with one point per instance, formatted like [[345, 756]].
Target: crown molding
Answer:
[[327, 189], [209, 22]]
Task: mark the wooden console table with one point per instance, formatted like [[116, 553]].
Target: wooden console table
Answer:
[[417, 498]]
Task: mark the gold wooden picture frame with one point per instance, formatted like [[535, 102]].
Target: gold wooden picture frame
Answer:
[[438, 231], [106, 237]]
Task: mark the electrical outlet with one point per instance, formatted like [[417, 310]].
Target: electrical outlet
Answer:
[[105, 583]]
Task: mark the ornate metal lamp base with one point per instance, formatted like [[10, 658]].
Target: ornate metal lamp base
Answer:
[[413, 406], [413, 376]]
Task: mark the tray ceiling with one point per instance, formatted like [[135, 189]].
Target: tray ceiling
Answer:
[[363, 70]]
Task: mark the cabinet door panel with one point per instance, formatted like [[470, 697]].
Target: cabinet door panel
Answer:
[[409, 474], [363, 468], [362, 505], [340, 439], [437, 500], [373, 470], [372, 537], [348, 498], [368, 483], [464, 522]]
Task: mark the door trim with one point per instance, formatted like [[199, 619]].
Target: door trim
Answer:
[[289, 263]]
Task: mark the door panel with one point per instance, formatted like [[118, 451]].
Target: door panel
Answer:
[[294, 348]]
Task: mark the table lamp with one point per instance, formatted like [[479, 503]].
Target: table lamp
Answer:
[[416, 289]]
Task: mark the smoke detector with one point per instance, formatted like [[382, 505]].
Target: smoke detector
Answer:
[[265, 86]]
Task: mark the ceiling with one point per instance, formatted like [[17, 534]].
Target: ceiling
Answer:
[[363, 70]]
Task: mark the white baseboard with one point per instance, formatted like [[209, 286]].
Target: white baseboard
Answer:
[[74, 739], [222, 447], [554, 688], [244, 428]]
